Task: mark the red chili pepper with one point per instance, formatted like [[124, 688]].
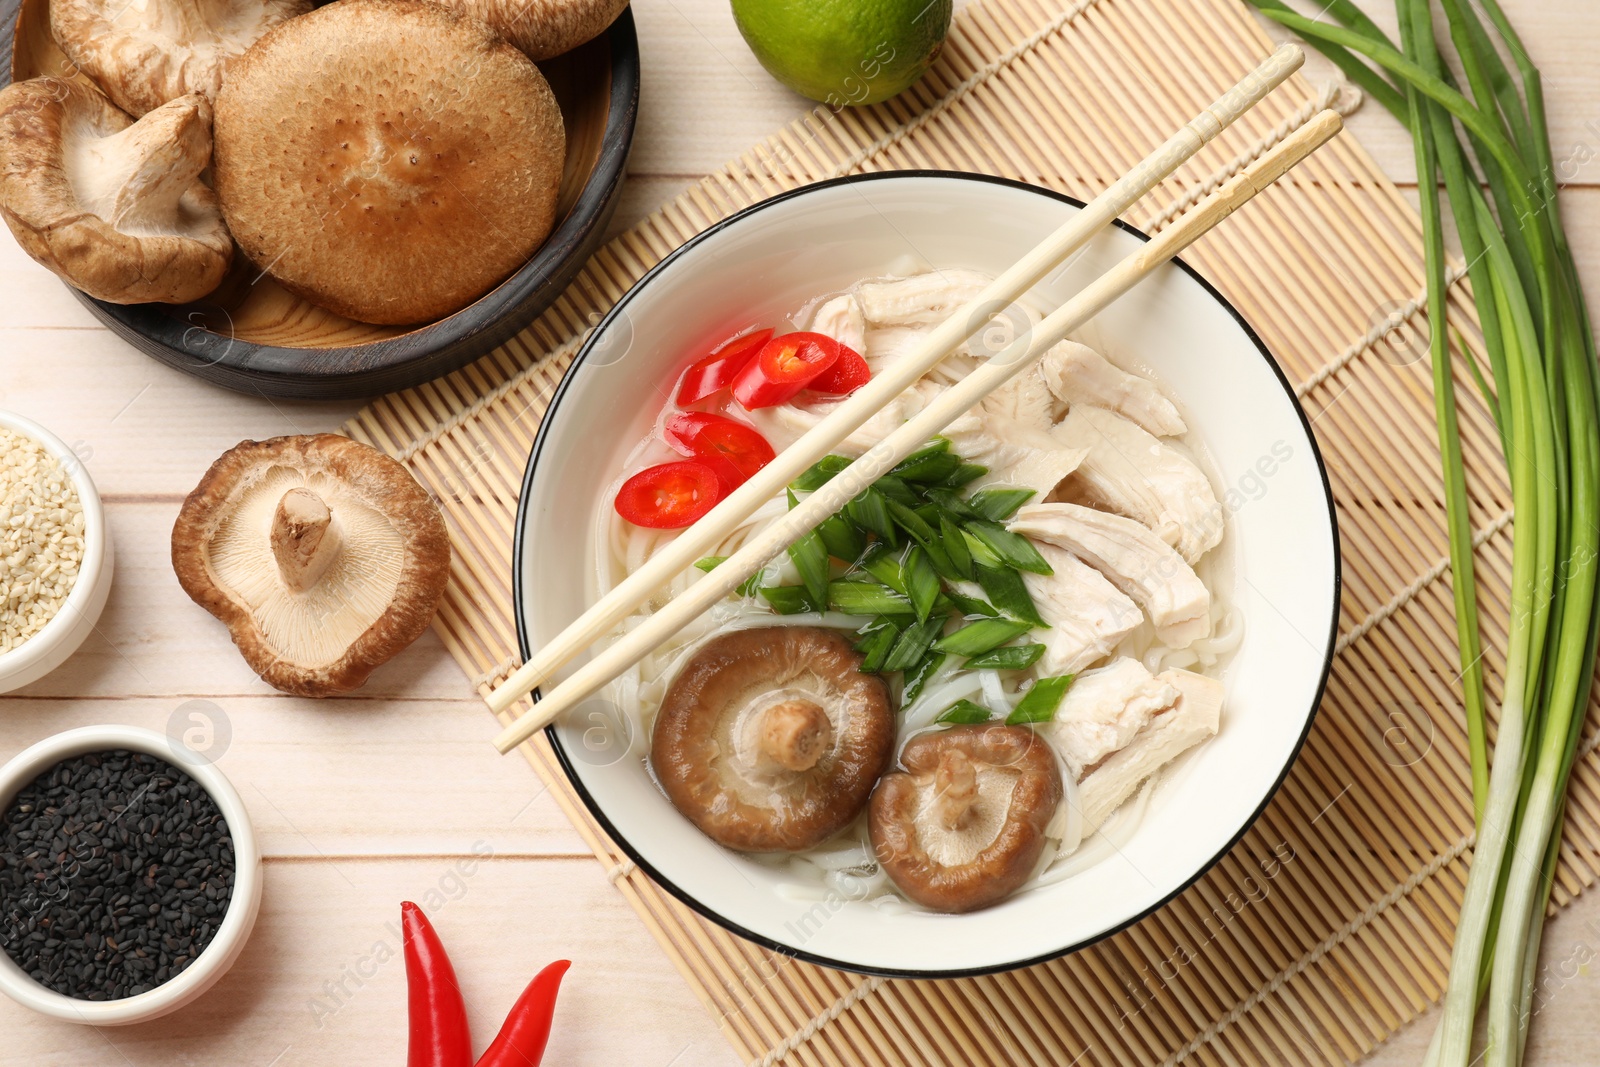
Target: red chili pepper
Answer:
[[714, 373], [439, 1035], [670, 495], [706, 436], [844, 377], [784, 366], [527, 1029]]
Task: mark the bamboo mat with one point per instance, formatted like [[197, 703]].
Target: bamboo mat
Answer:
[[1329, 925]]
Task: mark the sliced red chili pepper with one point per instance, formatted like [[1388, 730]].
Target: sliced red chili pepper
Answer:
[[439, 1034], [699, 434], [716, 371], [784, 366], [670, 495], [527, 1029], [727, 473], [847, 375]]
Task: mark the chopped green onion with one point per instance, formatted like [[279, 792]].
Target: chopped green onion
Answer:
[[895, 489], [971, 605], [982, 555], [955, 548], [810, 558], [965, 713], [953, 503], [886, 567], [909, 521], [998, 504], [878, 639], [787, 599], [965, 474], [1005, 589], [820, 473], [866, 598], [932, 462], [917, 677], [709, 563], [979, 637], [870, 511], [922, 581], [930, 470], [1040, 702], [1012, 549], [844, 539], [913, 645], [1006, 658]]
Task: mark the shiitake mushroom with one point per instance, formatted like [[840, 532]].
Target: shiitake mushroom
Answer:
[[963, 825], [770, 739]]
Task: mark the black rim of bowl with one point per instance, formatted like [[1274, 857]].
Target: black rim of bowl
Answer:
[[523, 643], [418, 355]]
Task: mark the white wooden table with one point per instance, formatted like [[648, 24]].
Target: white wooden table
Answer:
[[394, 793]]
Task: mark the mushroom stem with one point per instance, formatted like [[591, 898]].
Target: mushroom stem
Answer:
[[955, 784], [795, 734], [304, 541], [134, 179]]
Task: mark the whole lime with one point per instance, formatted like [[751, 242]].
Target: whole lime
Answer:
[[844, 52]]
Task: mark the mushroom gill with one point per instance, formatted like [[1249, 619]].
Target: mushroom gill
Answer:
[[770, 739], [323, 556], [148, 52], [118, 208], [961, 827], [314, 623]]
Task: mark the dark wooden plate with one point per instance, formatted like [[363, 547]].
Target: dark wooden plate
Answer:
[[253, 336]]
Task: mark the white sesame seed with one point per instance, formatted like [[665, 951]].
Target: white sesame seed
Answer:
[[41, 542]]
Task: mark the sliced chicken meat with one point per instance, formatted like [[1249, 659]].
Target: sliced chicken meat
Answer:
[[783, 424], [1135, 560], [1195, 716], [1137, 475], [1026, 399], [1088, 616], [1105, 709], [1016, 454], [884, 346], [840, 318], [922, 299], [1077, 374]]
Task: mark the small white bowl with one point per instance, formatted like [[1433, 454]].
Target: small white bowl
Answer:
[[61, 636], [756, 267], [237, 922]]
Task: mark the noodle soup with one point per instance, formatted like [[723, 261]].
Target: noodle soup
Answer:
[[1041, 595]]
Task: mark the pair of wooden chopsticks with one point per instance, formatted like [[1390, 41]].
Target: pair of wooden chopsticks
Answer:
[[697, 540]]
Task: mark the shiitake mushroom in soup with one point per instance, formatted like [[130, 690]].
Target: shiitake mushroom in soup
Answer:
[[770, 739]]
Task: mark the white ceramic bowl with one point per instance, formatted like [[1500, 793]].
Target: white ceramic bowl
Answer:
[[61, 636], [237, 923], [760, 265]]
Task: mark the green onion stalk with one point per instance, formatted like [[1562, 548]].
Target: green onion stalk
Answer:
[[1543, 392]]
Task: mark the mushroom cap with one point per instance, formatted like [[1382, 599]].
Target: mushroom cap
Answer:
[[544, 28], [144, 54], [389, 160], [744, 692], [115, 207], [1014, 789], [373, 598]]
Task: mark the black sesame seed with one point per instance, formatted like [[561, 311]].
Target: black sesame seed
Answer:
[[114, 867]]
